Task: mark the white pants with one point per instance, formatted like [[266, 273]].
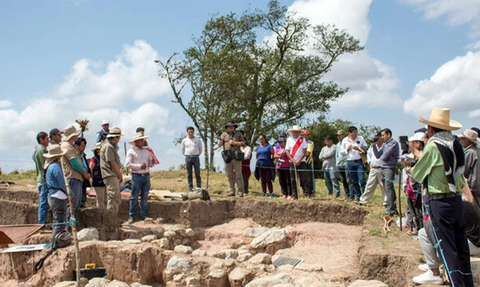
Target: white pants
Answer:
[[374, 179]]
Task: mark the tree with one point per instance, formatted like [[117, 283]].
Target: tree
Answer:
[[262, 85]]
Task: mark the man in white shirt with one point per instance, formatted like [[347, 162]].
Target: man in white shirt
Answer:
[[296, 150], [375, 176], [351, 147], [139, 160], [192, 149]]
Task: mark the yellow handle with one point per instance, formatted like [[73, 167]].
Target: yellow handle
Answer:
[[91, 265]]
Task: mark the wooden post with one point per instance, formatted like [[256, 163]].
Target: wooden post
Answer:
[[125, 147], [74, 228], [400, 198]]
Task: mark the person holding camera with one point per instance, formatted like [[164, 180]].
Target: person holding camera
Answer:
[[231, 140]]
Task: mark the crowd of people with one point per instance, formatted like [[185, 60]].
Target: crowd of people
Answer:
[[441, 178]]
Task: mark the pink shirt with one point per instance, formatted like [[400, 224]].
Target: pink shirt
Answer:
[[285, 159], [137, 156]]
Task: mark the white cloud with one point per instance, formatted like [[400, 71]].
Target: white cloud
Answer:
[[5, 104], [371, 82], [121, 91], [456, 84], [458, 12]]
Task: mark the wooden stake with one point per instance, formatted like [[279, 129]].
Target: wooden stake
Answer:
[[400, 198], [74, 230], [125, 147]]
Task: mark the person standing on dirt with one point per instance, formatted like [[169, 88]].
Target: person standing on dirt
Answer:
[[192, 149], [341, 165], [246, 172], [265, 165], [375, 176], [327, 156], [110, 168], [56, 188], [97, 180], [388, 161], [73, 167], [231, 140], [283, 167], [296, 150], [440, 169], [39, 159], [139, 160]]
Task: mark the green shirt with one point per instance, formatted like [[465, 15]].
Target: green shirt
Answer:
[[39, 160], [431, 165]]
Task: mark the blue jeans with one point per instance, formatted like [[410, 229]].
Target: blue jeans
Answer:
[[43, 206], [59, 208], [140, 186], [332, 182], [76, 188], [193, 161], [356, 172]]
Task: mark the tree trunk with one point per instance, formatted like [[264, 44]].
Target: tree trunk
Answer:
[[212, 150]]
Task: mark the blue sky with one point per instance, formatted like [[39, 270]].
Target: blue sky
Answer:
[[63, 60]]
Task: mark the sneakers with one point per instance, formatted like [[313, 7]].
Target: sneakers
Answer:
[[130, 220], [356, 201], [263, 194], [428, 278], [289, 197], [271, 195], [231, 194], [423, 267], [284, 197]]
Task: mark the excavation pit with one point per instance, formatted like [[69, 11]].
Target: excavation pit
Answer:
[[328, 237]]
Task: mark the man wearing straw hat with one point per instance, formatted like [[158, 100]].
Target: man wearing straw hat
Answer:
[[139, 160], [56, 188], [110, 168], [296, 150], [73, 167], [471, 143], [440, 169]]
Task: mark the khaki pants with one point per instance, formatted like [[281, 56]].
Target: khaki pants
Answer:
[[229, 168], [101, 192], [113, 193], [374, 179]]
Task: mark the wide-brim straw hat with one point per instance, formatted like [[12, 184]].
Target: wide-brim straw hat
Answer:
[[136, 137], [296, 129], [70, 132], [114, 132], [231, 124], [53, 151], [440, 118], [97, 147], [471, 135]]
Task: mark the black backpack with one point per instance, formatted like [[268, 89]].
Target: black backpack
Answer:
[[63, 239]]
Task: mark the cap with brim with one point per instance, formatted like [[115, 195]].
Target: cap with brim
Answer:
[[54, 132], [440, 118], [53, 151], [136, 137], [231, 124], [105, 122], [417, 137], [97, 147], [296, 129], [471, 136], [281, 140], [70, 132], [340, 132], [115, 132]]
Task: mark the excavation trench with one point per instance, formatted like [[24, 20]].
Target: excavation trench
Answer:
[[326, 234]]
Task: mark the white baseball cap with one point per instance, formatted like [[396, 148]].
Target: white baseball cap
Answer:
[[417, 137], [105, 122]]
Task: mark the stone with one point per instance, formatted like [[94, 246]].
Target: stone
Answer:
[[229, 263], [181, 232], [97, 282], [148, 221], [116, 283], [66, 284], [185, 241], [309, 267], [261, 258], [217, 278], [271, 241], [239, 277], [177, 241], [199, 253], [285, 268], [308, 282], [193, 282], [178, 265], [183, 249], [132, 241], [367, 283], [244, 257], [190, 232], [88, 234], [83, 282], [139, 285], [178, 278], [255, 232], [281, 278], [158, 231], [284, 285], [226, 254], [160, 220], [149, 238], [170, 234]]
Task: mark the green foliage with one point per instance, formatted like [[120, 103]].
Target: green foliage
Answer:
[[263, 86]]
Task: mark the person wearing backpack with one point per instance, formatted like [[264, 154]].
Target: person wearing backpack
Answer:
[[57, 190]]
